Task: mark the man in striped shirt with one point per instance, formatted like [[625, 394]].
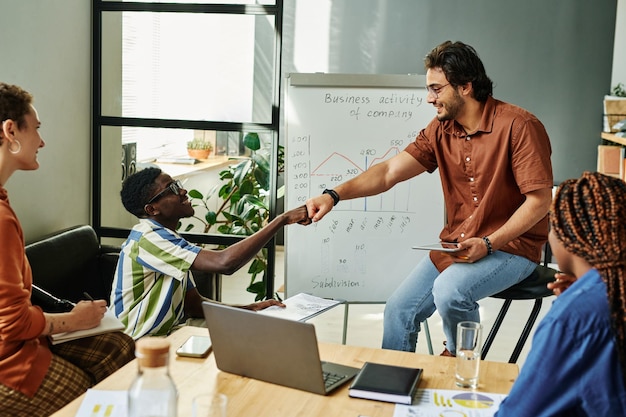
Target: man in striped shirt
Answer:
[[153, 288]]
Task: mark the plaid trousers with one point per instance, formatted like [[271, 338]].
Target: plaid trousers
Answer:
[[76, 366]]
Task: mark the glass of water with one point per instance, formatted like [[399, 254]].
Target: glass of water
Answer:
[[468, 350], [209, 405]]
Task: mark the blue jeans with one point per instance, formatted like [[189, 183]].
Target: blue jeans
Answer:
[[453, 292]]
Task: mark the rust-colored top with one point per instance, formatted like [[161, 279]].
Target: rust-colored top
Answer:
[[24, 355]]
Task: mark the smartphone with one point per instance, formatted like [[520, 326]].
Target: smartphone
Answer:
[[195, 347]]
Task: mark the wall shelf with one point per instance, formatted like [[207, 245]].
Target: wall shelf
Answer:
[[611, 137]]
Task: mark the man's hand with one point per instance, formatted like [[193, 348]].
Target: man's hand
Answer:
[[563, 282], [262, 305], [319, 206], [471, 250], [298, 215]]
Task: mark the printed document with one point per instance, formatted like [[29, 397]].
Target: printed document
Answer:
[[101, 403], [301, 307], [438, 402]]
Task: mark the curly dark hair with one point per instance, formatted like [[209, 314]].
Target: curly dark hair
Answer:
[[588, 215], [14, 104], [461, 65], [137, 189]]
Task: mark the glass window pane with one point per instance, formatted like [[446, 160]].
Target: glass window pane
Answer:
[[264, 2], [126, 150], [188, 66]]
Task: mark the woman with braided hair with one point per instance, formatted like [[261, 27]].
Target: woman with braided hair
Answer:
[[577, 363]]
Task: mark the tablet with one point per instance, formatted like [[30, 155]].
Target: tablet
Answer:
[[440, 246]]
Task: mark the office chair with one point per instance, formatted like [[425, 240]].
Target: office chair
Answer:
[[531, 288]]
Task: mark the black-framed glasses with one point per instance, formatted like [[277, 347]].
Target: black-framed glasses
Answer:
[[174, 187], [436, 90]]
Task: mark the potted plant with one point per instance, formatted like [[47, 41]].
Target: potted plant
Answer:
[[245, 203], [199, 148]]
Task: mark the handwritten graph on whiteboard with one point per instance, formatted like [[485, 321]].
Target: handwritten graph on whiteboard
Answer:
[[361, 250], [337, 168]]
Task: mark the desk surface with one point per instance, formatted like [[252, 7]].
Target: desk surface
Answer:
[[248, 397]]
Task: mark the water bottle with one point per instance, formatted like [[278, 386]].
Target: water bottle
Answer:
[[152, 393]]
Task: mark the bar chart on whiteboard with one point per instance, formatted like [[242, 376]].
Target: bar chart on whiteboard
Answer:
[[361, 250]]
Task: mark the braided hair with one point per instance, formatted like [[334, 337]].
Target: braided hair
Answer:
[[588, 215]]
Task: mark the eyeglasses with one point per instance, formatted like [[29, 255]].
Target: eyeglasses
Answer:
[[435, 90], [174, 187]]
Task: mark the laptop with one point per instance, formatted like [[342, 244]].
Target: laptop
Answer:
[[271, 349]]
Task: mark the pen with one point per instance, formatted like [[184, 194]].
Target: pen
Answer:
[[89, 297]]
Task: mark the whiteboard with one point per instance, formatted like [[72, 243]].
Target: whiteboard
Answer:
[[337, 126]]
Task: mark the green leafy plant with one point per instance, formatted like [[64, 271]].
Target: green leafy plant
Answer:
[[619, 90], [244, 208], [199, 144]]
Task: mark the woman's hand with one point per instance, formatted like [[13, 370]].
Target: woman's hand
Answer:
[[88, 314], [563, 282], [85, 315]]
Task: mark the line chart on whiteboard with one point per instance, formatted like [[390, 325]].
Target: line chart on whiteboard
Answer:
[[337, 168], [313, 171]]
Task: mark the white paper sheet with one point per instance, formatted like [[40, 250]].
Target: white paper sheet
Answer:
[[109, 323], [102, 403], [301, 307]]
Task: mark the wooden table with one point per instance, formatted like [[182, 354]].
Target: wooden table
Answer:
[[248, 397]]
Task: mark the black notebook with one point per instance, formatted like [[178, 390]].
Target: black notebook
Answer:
[[396, 384]]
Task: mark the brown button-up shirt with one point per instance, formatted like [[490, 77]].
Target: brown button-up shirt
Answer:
[[485, 175]]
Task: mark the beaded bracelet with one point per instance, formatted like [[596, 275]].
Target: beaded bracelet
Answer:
[[488, 243]]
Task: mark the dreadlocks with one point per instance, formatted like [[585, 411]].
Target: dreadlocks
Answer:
[[588, 216]]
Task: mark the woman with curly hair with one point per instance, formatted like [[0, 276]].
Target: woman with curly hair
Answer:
[[36, 379], [577, 363]]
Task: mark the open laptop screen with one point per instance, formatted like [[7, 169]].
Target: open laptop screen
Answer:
[[270, 349]]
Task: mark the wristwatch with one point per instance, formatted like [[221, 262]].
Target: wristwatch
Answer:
[[333, 194]]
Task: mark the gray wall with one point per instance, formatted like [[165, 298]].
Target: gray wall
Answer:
[[619, 49], [553, 57], [45, 48]]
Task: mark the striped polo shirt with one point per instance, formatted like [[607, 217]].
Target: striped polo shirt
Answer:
[[151, 279]]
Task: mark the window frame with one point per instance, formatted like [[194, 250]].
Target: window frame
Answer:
[[99, 120]]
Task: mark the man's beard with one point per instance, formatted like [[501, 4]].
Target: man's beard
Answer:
[[452, 108]]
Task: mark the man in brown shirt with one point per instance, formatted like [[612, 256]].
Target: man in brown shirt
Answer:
[[495, 169]]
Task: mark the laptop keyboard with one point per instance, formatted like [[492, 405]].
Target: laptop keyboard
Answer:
[[330, 378]]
